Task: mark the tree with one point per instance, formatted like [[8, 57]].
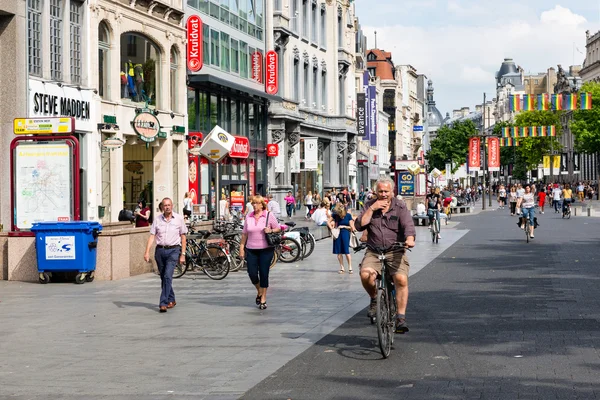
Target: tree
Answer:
[[451, 145], [533, 149], [586, 124]]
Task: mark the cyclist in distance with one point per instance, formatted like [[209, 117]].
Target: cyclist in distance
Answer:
[[527, 205], [387, 220], [434, 205]]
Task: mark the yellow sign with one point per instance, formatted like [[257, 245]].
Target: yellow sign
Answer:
[[547, 162], [556, 162], [43, 126]]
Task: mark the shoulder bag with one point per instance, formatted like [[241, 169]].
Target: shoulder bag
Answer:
[[273, 238]]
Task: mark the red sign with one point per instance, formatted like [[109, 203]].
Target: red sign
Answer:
[[193, 168], [241, 148], [194, 46], [257, 66], [272, 150], [194, 138], [474, 156], [493, 154], [271, 78]]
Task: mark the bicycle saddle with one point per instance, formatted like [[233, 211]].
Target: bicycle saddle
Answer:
[[204, 234], [230, 234], [291, 224]]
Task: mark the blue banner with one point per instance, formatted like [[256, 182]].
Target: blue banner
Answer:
[[373, 115], [406, 183], [366, 79]]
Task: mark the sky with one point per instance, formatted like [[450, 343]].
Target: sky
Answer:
[[460, 44]]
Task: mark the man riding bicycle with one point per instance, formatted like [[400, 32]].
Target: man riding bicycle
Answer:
[[434, 205], [387, 220]]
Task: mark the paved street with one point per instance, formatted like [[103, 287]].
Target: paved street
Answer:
[[106, 340]]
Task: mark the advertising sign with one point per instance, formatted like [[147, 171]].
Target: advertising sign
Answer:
[[493, 154], [366, 79], [271, 77], [194, 45], [546, 163], [217, 144], [193, 165], [272, 150], [564, 162], [556, 164], [418, 128], [237, 201], [576, 163], [257, 67], [147, 126], [43, 126], [43, 183], [360, 114], [474, 156], [60, 247], [407, 165], [311, 157], [406, 184], [240, 148], [280, 159], [373, 115]]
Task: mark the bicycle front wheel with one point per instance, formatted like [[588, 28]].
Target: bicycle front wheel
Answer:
[[289, 250], [215, 262], [180, 269], [383, 323]]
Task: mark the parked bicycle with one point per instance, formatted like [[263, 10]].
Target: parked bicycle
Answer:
[[212, 259]]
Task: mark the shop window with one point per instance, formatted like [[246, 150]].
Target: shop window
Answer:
[[244, 65], [225, 56], [34, 30], [173, 78], [205, 44], [103, 61], [235, 56], [140, 61], [56, 58], [214, 47]]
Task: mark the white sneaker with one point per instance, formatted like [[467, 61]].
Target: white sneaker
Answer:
[[542, 212]]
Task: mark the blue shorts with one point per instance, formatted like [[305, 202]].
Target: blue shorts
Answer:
[[529, 212]]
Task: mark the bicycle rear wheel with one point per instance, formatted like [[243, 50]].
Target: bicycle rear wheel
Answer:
[[527, 231], [383, 323], [180, 269], [310, 245], [237, 262], [275, 258], [215, 262], [289, 250]]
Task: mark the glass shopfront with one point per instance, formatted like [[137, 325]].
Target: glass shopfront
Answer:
[[240, 115]]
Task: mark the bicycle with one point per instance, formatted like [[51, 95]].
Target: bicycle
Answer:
[[385, 318], [288, 251], [212, 259], [567, 210], [435, 226], [527, 231]]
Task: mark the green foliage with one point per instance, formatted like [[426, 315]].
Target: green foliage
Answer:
[[586, 123], [451, 145], [532, 150]]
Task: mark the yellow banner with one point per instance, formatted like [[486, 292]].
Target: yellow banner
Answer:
[[547, 162], [556, 163]]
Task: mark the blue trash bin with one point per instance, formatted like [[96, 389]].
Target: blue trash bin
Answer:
[[66, 247]]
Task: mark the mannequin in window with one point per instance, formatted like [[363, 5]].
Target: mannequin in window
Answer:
[[124, 89], [130, 81], [139, 81]]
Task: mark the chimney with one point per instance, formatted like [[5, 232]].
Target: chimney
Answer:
[[464, 111], [478, 108], [456, 114]]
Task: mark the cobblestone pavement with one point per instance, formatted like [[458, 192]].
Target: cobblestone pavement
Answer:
[[493, 317], [106, 340]]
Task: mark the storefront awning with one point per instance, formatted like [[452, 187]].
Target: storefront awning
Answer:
[[212, 82]]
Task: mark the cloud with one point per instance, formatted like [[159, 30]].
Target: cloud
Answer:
[[462, 57]]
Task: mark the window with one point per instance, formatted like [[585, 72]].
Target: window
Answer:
[[75, 41], [225, 11], [306, 93], [103, 63], [141, 70], [323, 26], [372, 71], [341, 82], [173, 78], [244, 67], [313, 21], [296, 80], [305, 14], [277, 6], [225, 52], [315, 82], [34, 30], [294, 15], [56, 40], [235, 54], [214, 10], [214, 47], [324, 90], [205, 44], [340, 24]]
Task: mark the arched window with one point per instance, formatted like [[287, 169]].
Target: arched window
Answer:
[[140, 60], [173, 78], [103, 61]]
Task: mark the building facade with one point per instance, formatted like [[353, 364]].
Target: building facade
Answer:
[[315, 43], [590, 71]]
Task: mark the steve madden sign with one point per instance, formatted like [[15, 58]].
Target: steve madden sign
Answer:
[[51, 100]]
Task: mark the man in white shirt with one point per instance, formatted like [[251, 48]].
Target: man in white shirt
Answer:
[[320, 215], [273, 206], [556, 193]]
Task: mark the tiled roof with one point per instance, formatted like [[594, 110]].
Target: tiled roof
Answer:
[[383, 64]]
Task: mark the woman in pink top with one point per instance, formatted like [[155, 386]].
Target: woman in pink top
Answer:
[[255, 249], [290, 203]]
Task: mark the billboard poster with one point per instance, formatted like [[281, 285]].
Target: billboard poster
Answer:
[[493, 154], [366, 79], [406, 183], [360, 114], [311, 156], [373, 115], [474, 156]]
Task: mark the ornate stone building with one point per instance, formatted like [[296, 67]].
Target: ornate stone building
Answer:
[[315, 42]]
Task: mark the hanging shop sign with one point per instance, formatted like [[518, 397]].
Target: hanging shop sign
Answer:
[[474, 155], [147, 126], [272, 150], [43, 126], [113, 143], [493, 154], [217, 144], [194, 45], [367, 123], [406, 184], [373, 115], [240, 148], [360, 114], [271, 78], [51, 100], [311, 156], [257, 67]]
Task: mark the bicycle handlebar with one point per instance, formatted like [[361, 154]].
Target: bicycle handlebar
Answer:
[[395, 246]]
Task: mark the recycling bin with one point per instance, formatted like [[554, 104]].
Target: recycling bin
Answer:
[[66, 247]]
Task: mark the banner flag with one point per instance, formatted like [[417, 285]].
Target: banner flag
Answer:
[[361, 114], [570, 102], [586, 101], [534, 131], [506, 132], [557, 102], [542, 102], [546, 165], [523, 131], [556, 164], [474, 155], [373, 115], [493, 154], [552, 131], [514, 102], [366, 79], [311, 154], [528, 102]]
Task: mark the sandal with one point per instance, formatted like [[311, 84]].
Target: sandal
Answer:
[[262, 306], [341, 271], [258, 298], [350, 271]]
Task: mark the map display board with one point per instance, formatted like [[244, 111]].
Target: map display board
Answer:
[[43, 183]]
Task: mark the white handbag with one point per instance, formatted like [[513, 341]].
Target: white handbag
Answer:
[[335, 232], [354, 242]]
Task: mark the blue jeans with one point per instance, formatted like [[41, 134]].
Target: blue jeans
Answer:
[[289, 208], [258, 262], [167, 259], [529, 213]]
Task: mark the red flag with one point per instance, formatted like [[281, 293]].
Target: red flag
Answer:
[[493, 154], [474, 156]]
